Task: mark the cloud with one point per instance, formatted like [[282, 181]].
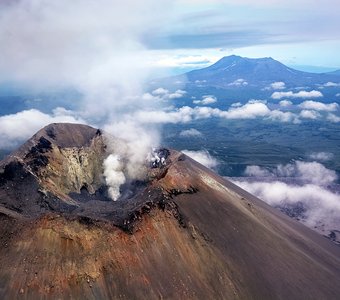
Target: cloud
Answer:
[[203, 157], [333, 118], [251, 110], [161, 94], [285, 103], [321, 156], [208, 99], [16, 128], [190, 133], [292, 186], [160, 91], [300, 94], [236, 104], [321, 207], [278, 85], [257, 171], [177, 94], [315, 105], [331, 84], [306, 172], [337, 95], [309, 114], [239, 82], [285, 117]]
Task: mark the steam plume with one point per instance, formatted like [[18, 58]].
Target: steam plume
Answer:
[[95, 48]]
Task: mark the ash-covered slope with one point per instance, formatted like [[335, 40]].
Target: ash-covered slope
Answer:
[[185, 233]]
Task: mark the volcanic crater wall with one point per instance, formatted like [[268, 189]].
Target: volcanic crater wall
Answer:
[[71, 168], [64, 159]]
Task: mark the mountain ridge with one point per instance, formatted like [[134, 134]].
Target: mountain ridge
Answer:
[[258, 71]]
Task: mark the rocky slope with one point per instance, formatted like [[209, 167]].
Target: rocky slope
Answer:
[[185, 233]]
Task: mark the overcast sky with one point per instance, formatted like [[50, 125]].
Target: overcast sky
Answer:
[[36, 34]]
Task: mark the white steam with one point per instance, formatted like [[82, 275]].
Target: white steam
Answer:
[[114, 175]]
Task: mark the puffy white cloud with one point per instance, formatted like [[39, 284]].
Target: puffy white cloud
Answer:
[[321, 156], [203, 157], [250, 110], [333, 118], [257, 171], [314, 172], [207, 99], [277, 115], [322, 207], [161, 94], [16, 128], [300, 94], [279, 85], [177, 94], [192, 132], [315, 105], [308, 172], [236, 104], [239, 82], [160, 91], [331, 84], [285, 103], [292, 185], [309, 114]]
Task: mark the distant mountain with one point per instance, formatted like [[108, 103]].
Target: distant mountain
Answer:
[[234, 71]]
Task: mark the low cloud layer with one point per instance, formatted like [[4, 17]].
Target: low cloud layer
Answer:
[[206, 100], [239, 82], [300, 94], [306, 172], [292, 186], [285, 103], [253, 109], [19, 127], [322, 207], [161, 94], [321, 156], [278, 85], [315, 105], [190, 133]]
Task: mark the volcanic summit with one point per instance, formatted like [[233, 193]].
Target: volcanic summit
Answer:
[[183, 232]]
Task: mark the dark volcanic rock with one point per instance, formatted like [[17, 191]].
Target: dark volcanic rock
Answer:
[[184, 233]]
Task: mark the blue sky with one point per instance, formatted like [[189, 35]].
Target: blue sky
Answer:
[[294, 32]]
